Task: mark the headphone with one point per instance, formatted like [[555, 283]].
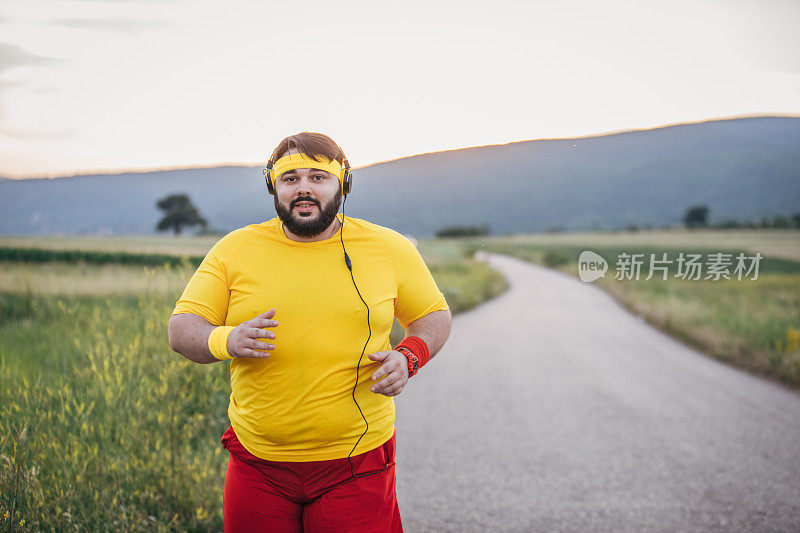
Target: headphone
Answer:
[[347, 184], [358, 366], [347, 179]]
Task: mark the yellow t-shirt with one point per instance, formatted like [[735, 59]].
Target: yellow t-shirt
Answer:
[[297, 405]]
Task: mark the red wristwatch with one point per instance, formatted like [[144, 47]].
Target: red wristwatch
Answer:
[[413, 360]]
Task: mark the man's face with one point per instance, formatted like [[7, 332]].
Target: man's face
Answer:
[[307, 200]]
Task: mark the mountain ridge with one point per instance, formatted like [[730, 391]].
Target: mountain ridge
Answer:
[[742, 167]]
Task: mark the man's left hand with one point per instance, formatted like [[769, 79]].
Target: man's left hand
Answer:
[[394, 372]]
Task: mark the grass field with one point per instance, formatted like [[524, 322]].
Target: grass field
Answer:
[[151, 244], [82, 279], [102, 426], [783, 244], [752, 324]]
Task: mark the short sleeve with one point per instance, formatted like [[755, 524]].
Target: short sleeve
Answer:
[[208, 292], [417, 293]]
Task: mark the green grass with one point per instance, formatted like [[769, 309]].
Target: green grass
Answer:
[[747, 324], [780, 243], [92, 257], [464, 281], [102, 426], [149, 244], [88, 279]]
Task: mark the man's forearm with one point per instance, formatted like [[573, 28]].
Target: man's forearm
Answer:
[[188, 335], [433, 329]]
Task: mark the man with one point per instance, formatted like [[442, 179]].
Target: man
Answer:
[[302, 306]]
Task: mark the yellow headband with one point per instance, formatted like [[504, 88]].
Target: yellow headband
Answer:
[[295, 161]]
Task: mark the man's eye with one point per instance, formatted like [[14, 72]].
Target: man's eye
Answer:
[[319, 177]]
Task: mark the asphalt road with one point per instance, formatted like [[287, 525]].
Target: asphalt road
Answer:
[[551, 408]]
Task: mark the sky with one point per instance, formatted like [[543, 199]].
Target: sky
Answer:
[[116, 85]]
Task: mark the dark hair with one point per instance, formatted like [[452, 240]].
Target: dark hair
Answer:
[[311, 144]]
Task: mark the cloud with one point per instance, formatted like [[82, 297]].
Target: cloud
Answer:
[[11, 84], [12, 56], [769, 31], [125, 25], [38, 135], [124, 1]]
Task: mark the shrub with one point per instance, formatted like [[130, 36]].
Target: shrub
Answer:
[[555, 258]]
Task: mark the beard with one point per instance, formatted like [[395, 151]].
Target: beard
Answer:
[[309, 226]]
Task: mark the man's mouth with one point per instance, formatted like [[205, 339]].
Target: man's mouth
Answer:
[[305, 207]]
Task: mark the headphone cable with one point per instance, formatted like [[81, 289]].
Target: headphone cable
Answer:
[[358, 366]]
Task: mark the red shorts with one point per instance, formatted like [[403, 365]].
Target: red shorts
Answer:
[[316, 496]]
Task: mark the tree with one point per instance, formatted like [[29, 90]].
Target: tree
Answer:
[[696, 216], [463, 231], [781, 222], [179, 212]]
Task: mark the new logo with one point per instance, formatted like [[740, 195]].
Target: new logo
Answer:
[[591, 266]]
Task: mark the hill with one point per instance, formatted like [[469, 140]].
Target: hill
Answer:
[[742, 168]]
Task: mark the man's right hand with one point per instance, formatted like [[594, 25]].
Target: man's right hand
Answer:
[[247, 339]]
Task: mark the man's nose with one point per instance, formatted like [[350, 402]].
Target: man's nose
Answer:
[[303, 187]]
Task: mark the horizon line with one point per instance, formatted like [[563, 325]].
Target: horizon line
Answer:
[[148, 170]]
